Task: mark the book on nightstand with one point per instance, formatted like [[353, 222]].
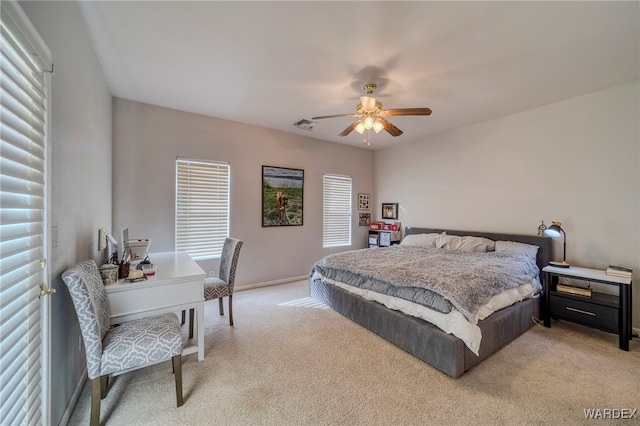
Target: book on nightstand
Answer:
[[576, 291], [619, 271]]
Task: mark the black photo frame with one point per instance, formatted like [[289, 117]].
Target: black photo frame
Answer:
[[390, 211], [282, 196]]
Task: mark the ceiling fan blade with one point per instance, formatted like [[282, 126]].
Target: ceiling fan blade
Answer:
[[393, 130], [333, 116], [349, 129], [407, 111]]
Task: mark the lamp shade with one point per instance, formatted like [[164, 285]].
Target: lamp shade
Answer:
[[553, 231]]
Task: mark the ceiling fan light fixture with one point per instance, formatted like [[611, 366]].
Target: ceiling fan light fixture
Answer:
[[368, 103], [371, 115], [368, 122]]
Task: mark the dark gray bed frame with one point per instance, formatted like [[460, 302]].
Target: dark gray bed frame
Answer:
[[443, 351]]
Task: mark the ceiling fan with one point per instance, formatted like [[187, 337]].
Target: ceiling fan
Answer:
[[371, 115]]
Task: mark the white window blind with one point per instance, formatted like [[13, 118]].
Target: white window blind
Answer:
[[22, 217], [202, 207], [336, 210]]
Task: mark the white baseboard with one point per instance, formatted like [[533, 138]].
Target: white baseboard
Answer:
[[270, 283], [68, 411]]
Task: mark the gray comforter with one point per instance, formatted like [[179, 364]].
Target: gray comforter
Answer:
[[436, 278]]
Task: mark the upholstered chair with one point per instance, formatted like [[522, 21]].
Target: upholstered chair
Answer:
[[222, 285], [128, 346]]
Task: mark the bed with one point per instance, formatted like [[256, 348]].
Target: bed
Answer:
[[442, 350]]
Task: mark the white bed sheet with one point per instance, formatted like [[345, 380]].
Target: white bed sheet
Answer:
[[453, 322]]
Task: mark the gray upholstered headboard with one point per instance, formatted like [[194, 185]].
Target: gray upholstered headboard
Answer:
[[545, 252]]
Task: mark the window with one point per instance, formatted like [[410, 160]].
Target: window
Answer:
[[24, 86], [336, 211], [202, 207]]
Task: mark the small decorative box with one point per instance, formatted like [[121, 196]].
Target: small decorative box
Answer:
[[109, 273]]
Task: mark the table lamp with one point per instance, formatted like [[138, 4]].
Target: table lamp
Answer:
[[554, 231]]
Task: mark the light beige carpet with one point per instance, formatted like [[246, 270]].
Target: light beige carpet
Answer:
[[291, 361]]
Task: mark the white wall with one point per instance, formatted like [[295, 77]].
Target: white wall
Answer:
[[81, 184], [147, 140], [575, 161]]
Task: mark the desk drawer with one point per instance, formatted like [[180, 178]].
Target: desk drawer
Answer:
[[587, 313]]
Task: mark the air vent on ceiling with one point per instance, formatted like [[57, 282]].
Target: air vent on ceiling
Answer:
[[305, 124]]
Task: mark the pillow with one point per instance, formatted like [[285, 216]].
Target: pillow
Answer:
[[476, 244], [517, 248], [464, 243], [443, 241], [420, 240]]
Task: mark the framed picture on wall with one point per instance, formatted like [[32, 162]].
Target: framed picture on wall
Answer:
[[364, 219], [282, 196], [363, 201], [390, 211]]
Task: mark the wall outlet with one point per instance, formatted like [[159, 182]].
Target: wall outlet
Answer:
[[102, 239]]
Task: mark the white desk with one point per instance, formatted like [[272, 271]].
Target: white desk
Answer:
[[177, 285]]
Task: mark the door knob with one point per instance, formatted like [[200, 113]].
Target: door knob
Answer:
[[45, 291]]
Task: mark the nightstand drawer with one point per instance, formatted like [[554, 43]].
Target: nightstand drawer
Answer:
[[587, 313]]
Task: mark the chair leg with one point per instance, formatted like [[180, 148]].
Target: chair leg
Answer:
[[104, 386], [191, 313], [177, 371], [220, 307], [96, 393], [183, 317], [230, 310]]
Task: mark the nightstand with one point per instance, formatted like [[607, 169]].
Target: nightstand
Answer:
[[606, 312]]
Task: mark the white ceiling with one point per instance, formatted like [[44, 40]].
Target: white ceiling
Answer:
[[272, 63]]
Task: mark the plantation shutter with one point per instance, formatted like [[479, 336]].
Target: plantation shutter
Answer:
[[336, 210], [23, 56], [202, 207]]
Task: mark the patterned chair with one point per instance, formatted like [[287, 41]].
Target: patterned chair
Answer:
[[222, 286], [129, 346]]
